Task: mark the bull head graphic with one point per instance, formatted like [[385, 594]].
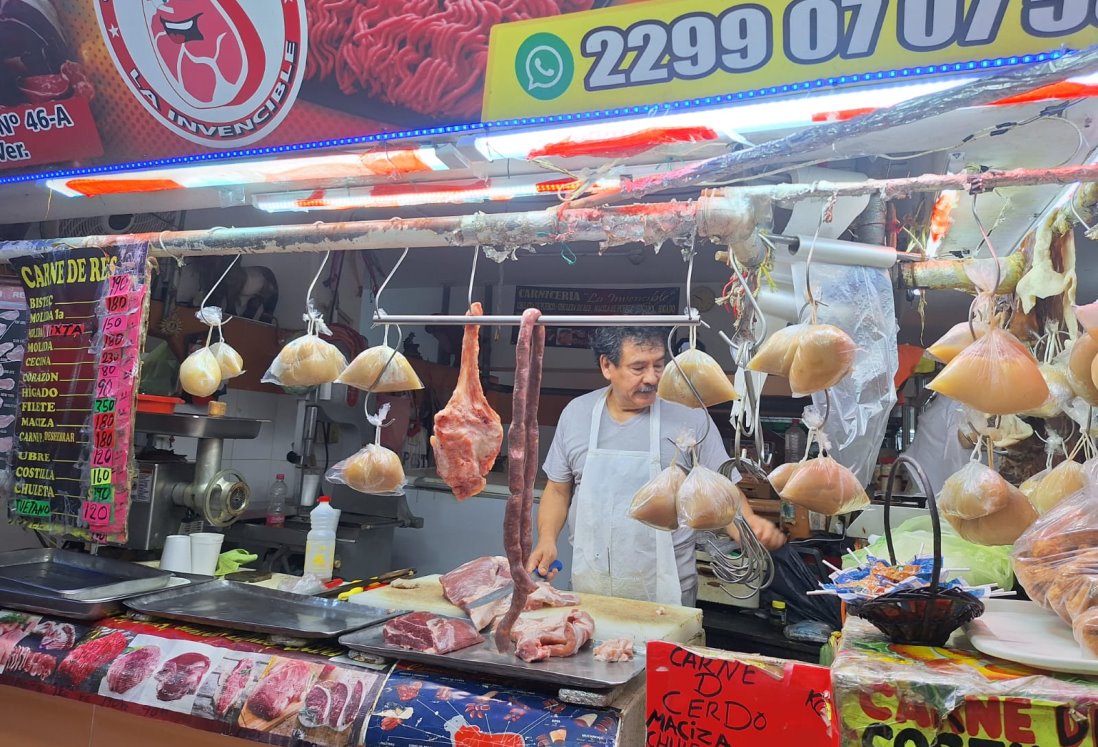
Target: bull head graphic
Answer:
[[209, 50]]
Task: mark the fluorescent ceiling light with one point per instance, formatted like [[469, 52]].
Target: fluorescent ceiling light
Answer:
[[383, 164], [386, 196]]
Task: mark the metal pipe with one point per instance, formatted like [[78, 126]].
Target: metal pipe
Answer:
[[654, 320], [842, 252], [207, 461]]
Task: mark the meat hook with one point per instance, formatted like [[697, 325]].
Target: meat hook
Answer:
[[385, 283]]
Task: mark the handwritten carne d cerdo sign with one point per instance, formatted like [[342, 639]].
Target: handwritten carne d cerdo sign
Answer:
[[699, 697]]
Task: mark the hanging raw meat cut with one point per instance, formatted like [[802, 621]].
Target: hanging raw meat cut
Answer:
[[468, 433], [522, 467]]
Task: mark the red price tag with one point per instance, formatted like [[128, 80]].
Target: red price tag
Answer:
[[104, 439], [114, 340], [105, 387], [121, 283], [111, 356], [103, 421], [102, 457], [96, 514], [115, 323]]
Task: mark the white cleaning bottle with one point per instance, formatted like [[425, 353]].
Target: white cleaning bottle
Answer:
[[320, 543]]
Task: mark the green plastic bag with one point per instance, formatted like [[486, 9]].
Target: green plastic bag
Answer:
[[986, 565], [159, 371]]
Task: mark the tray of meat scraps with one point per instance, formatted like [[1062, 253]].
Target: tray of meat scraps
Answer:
[[238, 606], [580, 670]]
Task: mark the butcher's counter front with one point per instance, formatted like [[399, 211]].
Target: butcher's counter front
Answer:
[[120, 681], [889, 695]]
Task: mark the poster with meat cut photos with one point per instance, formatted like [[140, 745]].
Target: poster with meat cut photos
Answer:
[[420, 707], [223, 692], [161, 674], [14, 627], [37, 655], [13, 338]]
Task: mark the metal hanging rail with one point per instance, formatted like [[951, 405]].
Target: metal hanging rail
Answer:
[[653, 320]]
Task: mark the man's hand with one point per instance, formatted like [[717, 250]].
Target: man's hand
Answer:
[[767, 532], [541, 558]]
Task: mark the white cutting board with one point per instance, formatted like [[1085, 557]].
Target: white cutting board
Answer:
[[1028, 634], [614, 618]]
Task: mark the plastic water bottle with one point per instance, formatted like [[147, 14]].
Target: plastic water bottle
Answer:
[[276, 508], [320, 543]]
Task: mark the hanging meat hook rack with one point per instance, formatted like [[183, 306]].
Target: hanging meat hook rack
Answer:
[[690, 317]]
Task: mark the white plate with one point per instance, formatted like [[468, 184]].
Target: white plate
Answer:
[[1026, 633]]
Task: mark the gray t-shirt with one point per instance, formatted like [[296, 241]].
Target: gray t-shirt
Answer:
[[568, 453]]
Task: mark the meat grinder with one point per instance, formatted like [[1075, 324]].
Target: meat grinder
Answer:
[[171, 491]]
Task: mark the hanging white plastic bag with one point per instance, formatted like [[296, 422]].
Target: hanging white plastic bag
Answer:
[[308, 360], [373, 469]]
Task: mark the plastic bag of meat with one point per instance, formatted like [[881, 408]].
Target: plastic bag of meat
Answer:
[[693, 367], [959, 337], [824, 486], [779, 478], [707, 500], [306, 361], [380, 369], [996, 375], [656, 504], [200, 373], [1081, 365], [983, 507], [812, 356], [373, 469], [1088, 318], [1056, 484], [1057, 377]]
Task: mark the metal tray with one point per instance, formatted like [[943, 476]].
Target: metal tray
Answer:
[[259, 610], [581, 670], [76, 575], [86, 610]]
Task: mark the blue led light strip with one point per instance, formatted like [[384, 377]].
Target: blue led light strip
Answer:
[[883, 76]]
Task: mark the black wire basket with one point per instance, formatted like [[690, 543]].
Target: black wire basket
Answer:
[[921, 617]]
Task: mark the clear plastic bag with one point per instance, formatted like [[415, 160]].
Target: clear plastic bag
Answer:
[[228, 360], [200, 374], [813, 357], [656, 504], [306, 361], [959, 337], [1081, 363], [373, 469], [703, 372], [984, 508], [707, 500], [1057, 484], [1085, 630], [1060, 391], [825, 486], [781, 475], [996, 375], [380, 369], [1088, 318]]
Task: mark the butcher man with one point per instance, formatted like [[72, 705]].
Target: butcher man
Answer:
[[608, 444]]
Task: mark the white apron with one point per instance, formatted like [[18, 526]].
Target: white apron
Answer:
[[613, 554]]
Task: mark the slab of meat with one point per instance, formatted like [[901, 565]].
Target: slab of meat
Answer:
[[354, 703], [181, 675], [470, 582], [564, 635], [522, 467], [468, 433], [340, 693], [317, 705], [547, 596], [83, 660], [56, 636], [283, 685], [430, 633], [232, 684], [34, 663], [616, 649], [130, 670]]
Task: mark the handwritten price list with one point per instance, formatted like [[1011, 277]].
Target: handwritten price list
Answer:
[[75, 421]]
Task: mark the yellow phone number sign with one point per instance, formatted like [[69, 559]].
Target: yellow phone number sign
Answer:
[[660, 51]]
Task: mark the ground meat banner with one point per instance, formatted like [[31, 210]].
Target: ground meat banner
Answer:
[[420, 707], [72, 463], [200, 677], [591, 301]]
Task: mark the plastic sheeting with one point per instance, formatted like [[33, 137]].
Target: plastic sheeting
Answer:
[[936, 447], [858, 300]]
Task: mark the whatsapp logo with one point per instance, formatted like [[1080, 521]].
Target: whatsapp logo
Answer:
[[544, 66]]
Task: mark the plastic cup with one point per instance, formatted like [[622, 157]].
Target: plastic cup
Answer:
[[177, 554], [205, 548], [310, 487]]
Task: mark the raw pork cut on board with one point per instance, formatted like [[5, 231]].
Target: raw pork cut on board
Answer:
[[282, 686], [130, 670], [536, 640], [616, 649], [478, 578], [430, 633], [83, 660], [522, 467], [56, 636], [468, 433], [181, 675], [232, 684]]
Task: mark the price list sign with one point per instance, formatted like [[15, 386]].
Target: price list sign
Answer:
[[71, 464]]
